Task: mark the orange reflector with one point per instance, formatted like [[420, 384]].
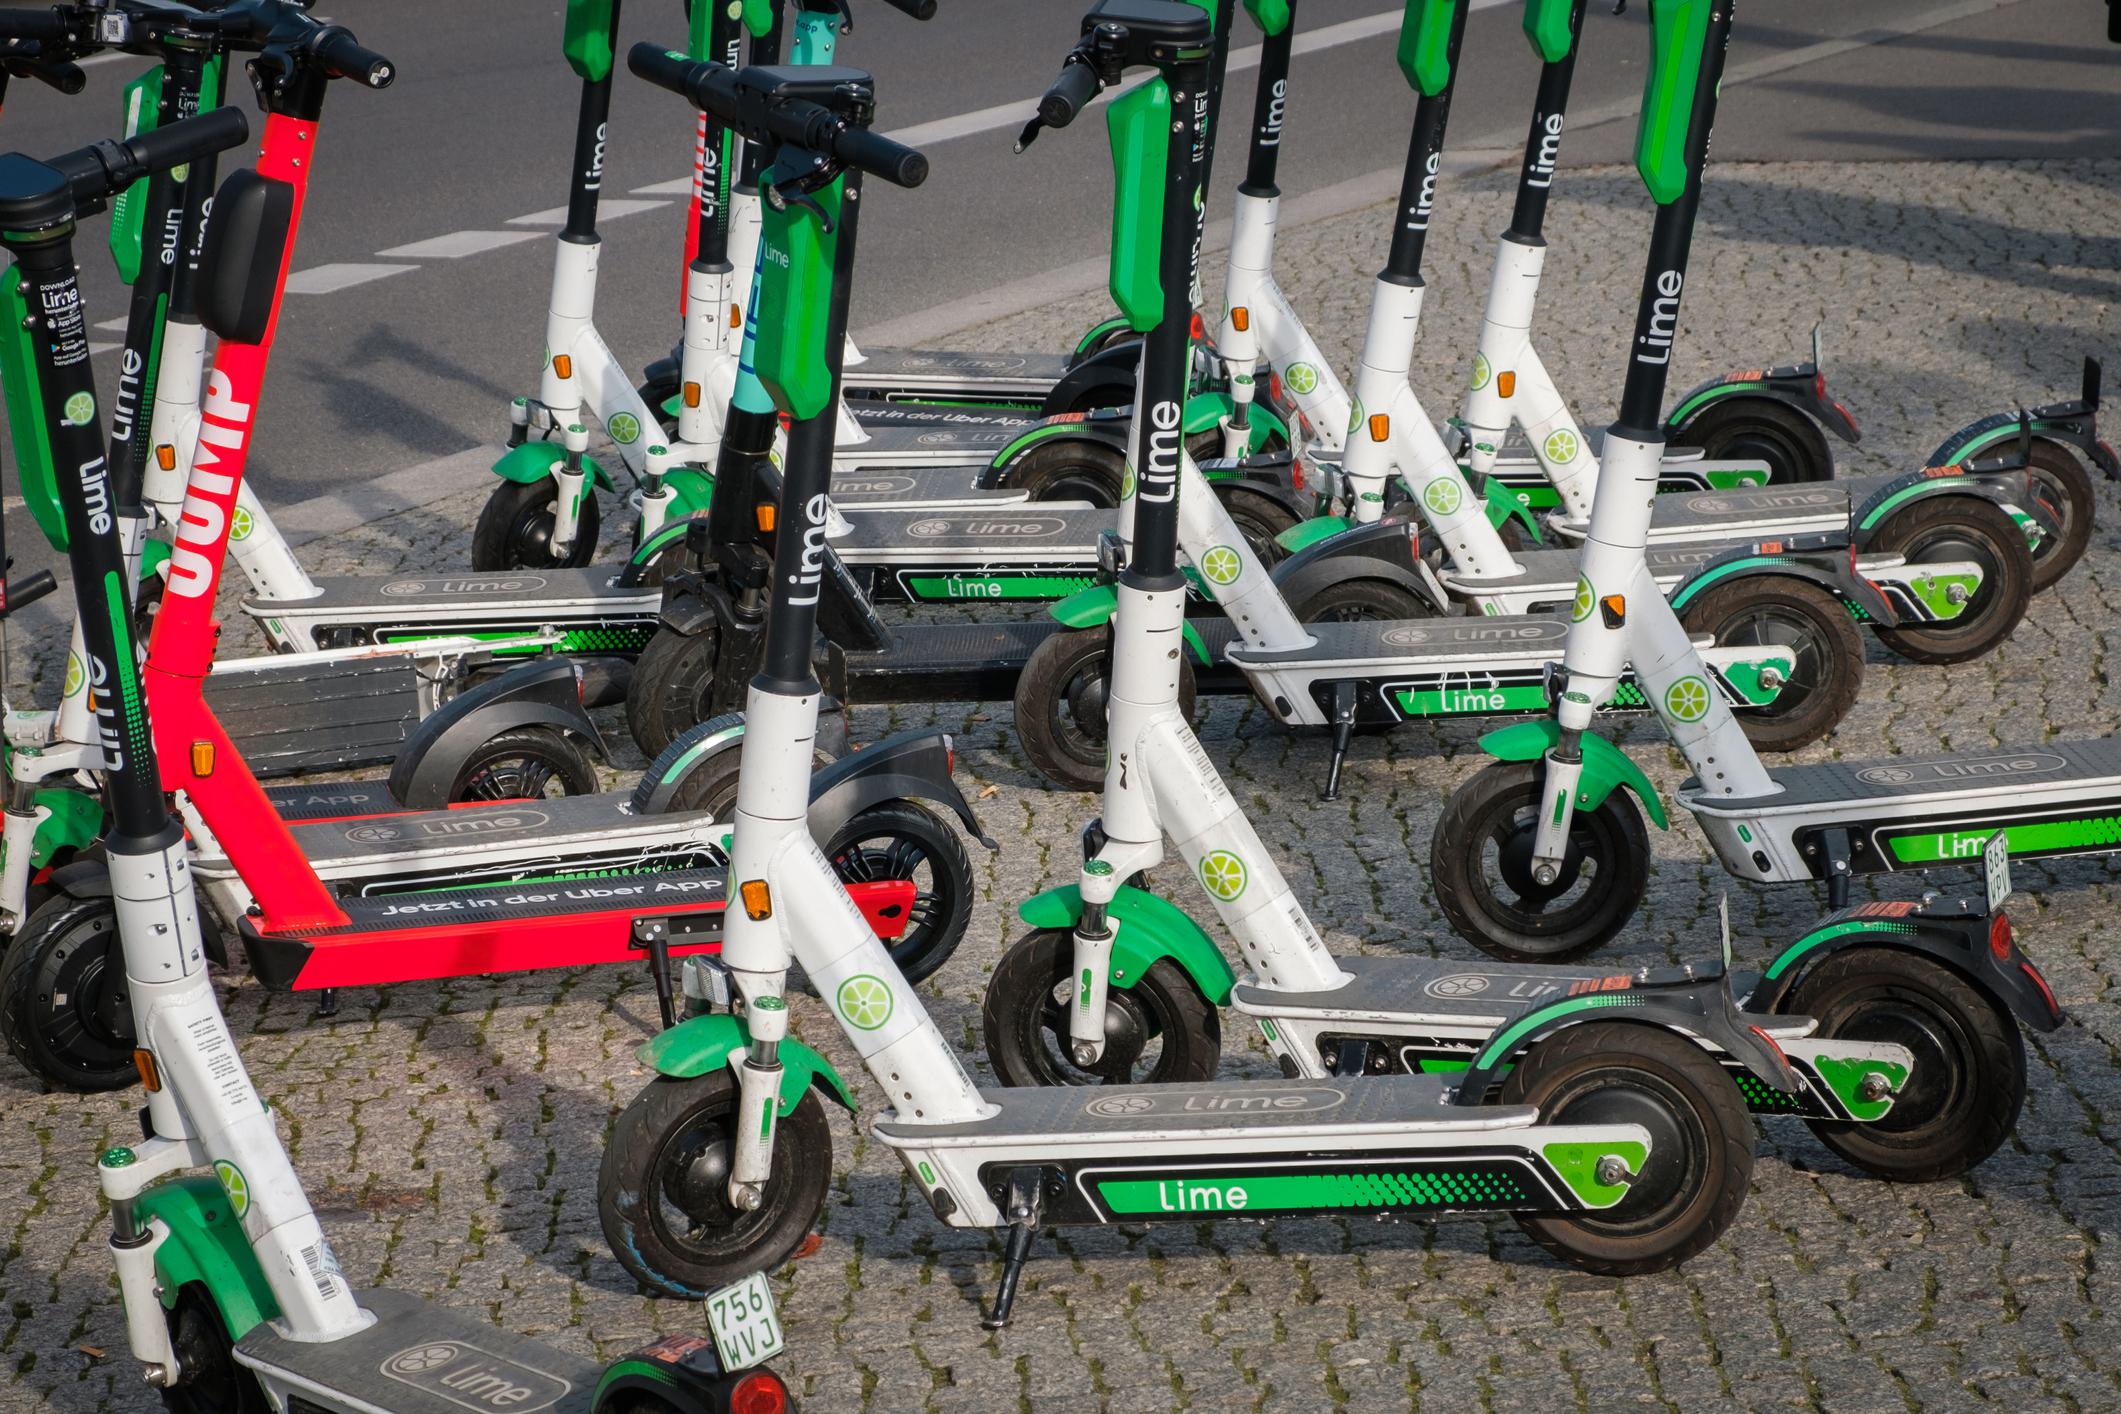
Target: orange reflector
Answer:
[[1616, 605], [562, 366], [150, 1074], [1506, 383], [1240, 318], [766, 517], [758, 900], [166, 457], [202, 758], [692, 395], [1380, 427]]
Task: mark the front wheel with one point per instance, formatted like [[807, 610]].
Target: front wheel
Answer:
[[1961, 528], [900, 840], [1060, 705], [65, 1011], [1760, 429], [209, 1379], [1070, 469], [672, 687], [1961, 1099], [663, 1189], [1778, 611], [1481, 861], [1701, 1143], [530, 763], [514, 531], [1158, 1028]]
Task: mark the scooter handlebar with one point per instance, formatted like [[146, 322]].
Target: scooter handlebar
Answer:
[[878, 155], [919, 9], [1076, 86], [61, 74], [52, 24], [100, 170], [345, 57], [21, 593]]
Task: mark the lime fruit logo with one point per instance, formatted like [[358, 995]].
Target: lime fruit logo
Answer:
[[1303, 378], [1562, 446], [1221, 565], [80, 410], [1581, 609], [1126, 481], [1481, 372], [241, 524], [624, 428], [865, 1001], [1687, 700], [1223, 875], [1355, 415], [1443, 495], [75, 675], [234, 1185]]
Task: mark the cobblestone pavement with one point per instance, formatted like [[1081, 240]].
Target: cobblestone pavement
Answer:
[[451, 1132]]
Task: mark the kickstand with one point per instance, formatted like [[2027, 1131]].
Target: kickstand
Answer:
[[1836, 844], [653, 934], [1343, 734], [327, 1004], [1026, 1201]]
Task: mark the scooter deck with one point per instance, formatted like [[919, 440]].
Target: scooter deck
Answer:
[[565, 831], [982, 662], [337, 800], [917, 488], [948, 374], [1364, 644], [2072, 765], [302, 717], [1517, 449], [591, 609], [1549, 576], [1750, 514], [961, 438], [1063, 531], [419, 1358]]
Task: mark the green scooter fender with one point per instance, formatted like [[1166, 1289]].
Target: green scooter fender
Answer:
[[205, 1246], [1205, 412], [1604, 764], [1504, 506], [1306, 533], [701, 1044], [36, 479], [1150, 928], [532, 462], [1088, 608], [76, 822]]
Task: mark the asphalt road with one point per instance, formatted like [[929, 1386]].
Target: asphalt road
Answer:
[[419, 361]]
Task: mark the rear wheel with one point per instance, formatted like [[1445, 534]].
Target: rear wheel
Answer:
[[514, 530], [1762, 611], [1361, 600], [1060, 705], [663, 1196], [1700, 1162], [673, 680], [65, 1011], [530, 763], [2064, 489], [1961, 1100], [1260, 519], [1070, 469], [209, 1381], [1480, 860], [1158, 1029], [1961, 528], [1762, 430]]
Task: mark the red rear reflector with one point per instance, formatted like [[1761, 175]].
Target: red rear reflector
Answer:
[[760, 1392], [1198, 330], [1819, 385], [1999, 937], [1773, 1044], [2041, 982]]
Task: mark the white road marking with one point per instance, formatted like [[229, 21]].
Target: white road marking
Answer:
[[330, 279], [95, 349], [117, 324], [457, 244], [607, 210], [676, 186]]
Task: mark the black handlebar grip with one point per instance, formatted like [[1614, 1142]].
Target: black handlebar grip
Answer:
[[67, 78], [347, 58], [660, 67], [186, 141], [33, 24], [1076, 86], [21, 593], [879, 156], [919, 9]]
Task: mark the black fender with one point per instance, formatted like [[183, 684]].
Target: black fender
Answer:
[[1388, 549], [1106, 377], [2074, 421], [674, 534], [541, 693], [1798, 385], [1694, 1002], [1960, 934], [1825, 560], [2004, 487], [1108, 427], [1278, 476]]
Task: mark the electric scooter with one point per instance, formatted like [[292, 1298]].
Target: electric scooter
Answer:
[[1542, 856], [368, 898], [232, 1294], [1771, 415], [1071, 1004], [721, 1164]]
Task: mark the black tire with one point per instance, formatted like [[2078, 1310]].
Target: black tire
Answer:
[[1361, 601], [1480, 862], [1739, 428], [1962, 1098], [529, 763], [1060, 705], [661, 1196], [1260, 519], [1961, 528], [1701, 1143], [672, 682], [1759, 610], [65, 1011], [1069, 469], [209, 1381], [2064, 487], [1159, 1031], [514, 531], [902, 840]]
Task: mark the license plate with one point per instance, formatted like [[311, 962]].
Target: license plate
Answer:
[[747, 1329]]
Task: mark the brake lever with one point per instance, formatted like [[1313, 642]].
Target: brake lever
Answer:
[[1030, 133]]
